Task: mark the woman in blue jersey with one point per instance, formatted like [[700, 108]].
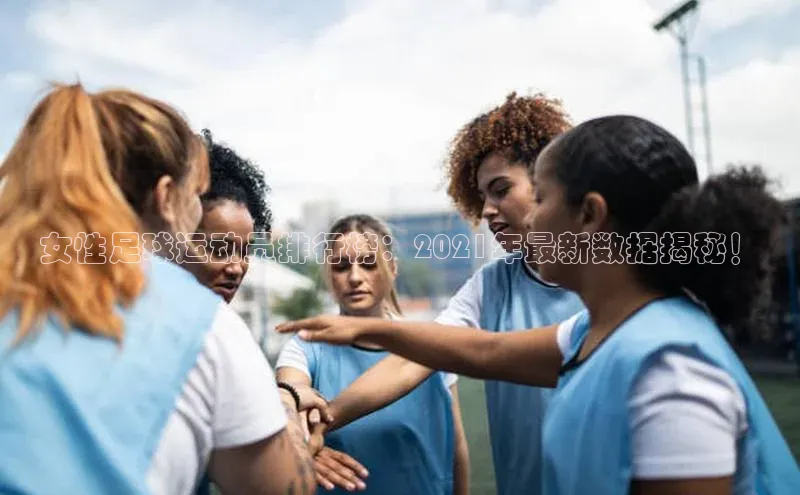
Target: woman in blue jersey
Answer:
[[650, 397], [417, 444], [489, 167], [120, 373], [235, 209]]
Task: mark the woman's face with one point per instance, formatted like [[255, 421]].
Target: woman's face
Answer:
[[227, 226], [357, 281], [555, 216], [508, 200]]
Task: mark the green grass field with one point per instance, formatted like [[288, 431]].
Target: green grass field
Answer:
[[782, 395]]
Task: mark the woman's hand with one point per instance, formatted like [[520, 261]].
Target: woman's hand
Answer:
[[310, 400], [334, 468], [340, 330]]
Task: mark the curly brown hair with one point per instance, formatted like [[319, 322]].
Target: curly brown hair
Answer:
[[518, 129]]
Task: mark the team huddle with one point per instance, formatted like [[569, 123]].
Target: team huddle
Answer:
[[137, 376]]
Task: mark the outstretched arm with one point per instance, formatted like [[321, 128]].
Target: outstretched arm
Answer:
[[529, 357], [389, 380], [332, 468], [394, 377]]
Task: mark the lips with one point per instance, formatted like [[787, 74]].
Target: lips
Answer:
[[227, 289], [498, 227], [357, 293]]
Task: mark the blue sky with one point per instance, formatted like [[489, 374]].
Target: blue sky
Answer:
[[356, 100]]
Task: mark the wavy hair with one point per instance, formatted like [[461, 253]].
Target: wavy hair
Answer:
[[85, 163]]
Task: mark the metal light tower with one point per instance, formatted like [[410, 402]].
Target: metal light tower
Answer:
[[677, 22]]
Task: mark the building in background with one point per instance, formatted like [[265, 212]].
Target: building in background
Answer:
[[266, 280], [317, 217], [787, 331], [437, 251]]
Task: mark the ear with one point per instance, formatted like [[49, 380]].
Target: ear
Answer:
[[164, 199], [593, 213]]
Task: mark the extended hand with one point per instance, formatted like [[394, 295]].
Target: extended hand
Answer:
[[341, 330], [310, 399], [334, 468]]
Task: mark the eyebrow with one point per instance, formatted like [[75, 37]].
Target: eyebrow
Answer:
[[496, 180]]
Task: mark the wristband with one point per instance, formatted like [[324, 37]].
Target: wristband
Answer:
[[291, 391]]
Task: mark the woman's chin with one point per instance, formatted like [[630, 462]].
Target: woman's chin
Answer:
[[361, 309], [509, 241]]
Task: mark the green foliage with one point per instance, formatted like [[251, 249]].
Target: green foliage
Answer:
[[417, 279], [302, 303]]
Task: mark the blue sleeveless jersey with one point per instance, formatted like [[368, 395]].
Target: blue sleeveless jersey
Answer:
[[587, 438], [83, 414], [515, 299], [408, 446]]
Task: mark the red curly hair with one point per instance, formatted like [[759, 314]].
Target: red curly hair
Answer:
[[518, 129]]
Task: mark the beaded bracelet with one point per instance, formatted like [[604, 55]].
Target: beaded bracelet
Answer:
[[291, 391]]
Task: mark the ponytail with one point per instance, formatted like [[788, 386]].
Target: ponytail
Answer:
[[62, 182], [737, 205]]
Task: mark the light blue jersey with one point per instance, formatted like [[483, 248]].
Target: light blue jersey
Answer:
[[408, 446], [84, 414], [513, 298], [587, 435]]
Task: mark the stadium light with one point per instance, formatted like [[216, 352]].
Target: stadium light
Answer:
[[676, 22]]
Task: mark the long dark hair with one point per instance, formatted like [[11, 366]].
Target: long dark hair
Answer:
[[649, 181]]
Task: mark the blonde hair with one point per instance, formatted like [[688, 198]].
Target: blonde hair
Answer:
[[367, 224], [85, 163]]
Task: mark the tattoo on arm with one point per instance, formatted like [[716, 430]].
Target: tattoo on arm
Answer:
[[302, 459]]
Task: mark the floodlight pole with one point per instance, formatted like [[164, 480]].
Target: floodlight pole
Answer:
[[678, 18], [701, 68]]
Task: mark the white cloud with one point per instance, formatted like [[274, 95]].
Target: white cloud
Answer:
[[373, 100], [19, 81]]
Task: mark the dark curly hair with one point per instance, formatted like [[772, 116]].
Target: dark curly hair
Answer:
[[519, 129], [649, 182], [237, 179]]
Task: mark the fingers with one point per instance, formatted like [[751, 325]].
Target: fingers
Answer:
[[331, 334], [296, 325], [331, 472], [316, 439], [314, 417], [320, 405], [310, 400], [316, 404], [323, 481], [348, 462]]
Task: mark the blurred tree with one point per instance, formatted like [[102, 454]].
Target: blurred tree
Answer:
[[417, 279], [302, 303]]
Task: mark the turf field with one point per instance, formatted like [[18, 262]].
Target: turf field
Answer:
[[782, 395]]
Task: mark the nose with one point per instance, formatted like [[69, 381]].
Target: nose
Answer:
[[234, 269], [489, 210], [354, 276]]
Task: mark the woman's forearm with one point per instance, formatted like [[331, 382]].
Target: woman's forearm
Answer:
[[384, 383], [529, 357]]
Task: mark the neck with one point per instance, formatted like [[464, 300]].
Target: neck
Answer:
[[531, 256], [157, 244], [376, 312], [611, 293]]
